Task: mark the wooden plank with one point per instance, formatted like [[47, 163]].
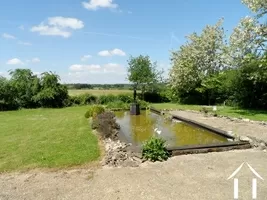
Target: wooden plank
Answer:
[[207, 150], [215, 145]]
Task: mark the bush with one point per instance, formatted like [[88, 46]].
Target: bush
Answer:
[[155, 150], [126, 98], [104, 99], [83, 99], [94, 110], [106, 125], [118, 105], [143, 104]]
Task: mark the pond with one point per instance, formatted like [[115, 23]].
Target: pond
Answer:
[[136, 129]]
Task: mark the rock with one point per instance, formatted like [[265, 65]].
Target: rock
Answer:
[[139, 160], [245, 120], [262, 146], [245, 139], [264, 150]]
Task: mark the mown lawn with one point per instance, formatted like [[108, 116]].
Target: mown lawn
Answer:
[[258, 115], [98, 92], [46, 138]]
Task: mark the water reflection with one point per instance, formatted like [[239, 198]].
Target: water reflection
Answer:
[[137, 129]]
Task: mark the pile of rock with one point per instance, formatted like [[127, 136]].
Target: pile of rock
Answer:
[[118, 155]]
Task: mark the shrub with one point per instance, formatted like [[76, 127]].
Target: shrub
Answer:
[[118, 105], [143, 104], [88, 99], [83, 99], [106, 125], [104, 99], [94, 111], [155, 150], [126, 98]]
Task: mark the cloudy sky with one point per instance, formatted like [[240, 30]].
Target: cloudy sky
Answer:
[[90, 41]]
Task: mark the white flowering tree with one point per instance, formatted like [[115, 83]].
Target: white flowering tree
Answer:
[[257, 6], [250, 35], [202, 56]]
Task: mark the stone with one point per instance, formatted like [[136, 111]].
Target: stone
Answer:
[[245, 139], [245, 120], [262, 146]]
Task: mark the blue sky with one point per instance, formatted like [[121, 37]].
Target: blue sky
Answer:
[[89, 41]]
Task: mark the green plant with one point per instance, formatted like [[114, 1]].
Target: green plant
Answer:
[[94, 111], [155, 150], [117, 105], [143, 104]]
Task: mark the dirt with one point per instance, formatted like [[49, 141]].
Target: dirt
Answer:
[[187, 177]]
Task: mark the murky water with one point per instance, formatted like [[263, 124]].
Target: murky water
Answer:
[[137, 129]]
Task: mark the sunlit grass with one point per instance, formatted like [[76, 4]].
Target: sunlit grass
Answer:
[[49, 138]]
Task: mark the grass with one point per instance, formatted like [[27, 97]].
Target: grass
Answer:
[[46, 138], [99, 92], [258, 115]]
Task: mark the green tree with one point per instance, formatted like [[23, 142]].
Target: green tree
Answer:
[[26, 86], [7, 96], [143, 73], [52, 93]]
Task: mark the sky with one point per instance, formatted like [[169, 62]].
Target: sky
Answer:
[[90, 41]]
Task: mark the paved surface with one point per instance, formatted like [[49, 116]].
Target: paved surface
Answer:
[[187, 177], [241, 128]]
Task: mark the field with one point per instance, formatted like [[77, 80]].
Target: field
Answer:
[[258, 115], [98, 92], [51, 138]]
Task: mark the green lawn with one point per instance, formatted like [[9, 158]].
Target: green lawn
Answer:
[[46, 138], [222, 110], [99, 92]]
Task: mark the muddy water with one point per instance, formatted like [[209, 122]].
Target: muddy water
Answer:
[[138, 129]]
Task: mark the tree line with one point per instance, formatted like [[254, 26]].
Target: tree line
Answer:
[[78, 86], [26, 90]]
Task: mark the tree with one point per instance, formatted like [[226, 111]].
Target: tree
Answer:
[[201, 57], [26, 86], [7, 96], [257, 6], [52, 93], [143, 73]]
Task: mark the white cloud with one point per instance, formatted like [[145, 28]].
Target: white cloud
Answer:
[[77, 68], [114, 52], [8, 36], [94, 68], [14, 61], [21, 27], [24, 43], [51, 31], [35, 60], [58, 26], [96, 4], [65, 22], [104, 53], [85, 58]]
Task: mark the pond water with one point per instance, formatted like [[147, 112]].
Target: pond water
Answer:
[[138, 129]]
